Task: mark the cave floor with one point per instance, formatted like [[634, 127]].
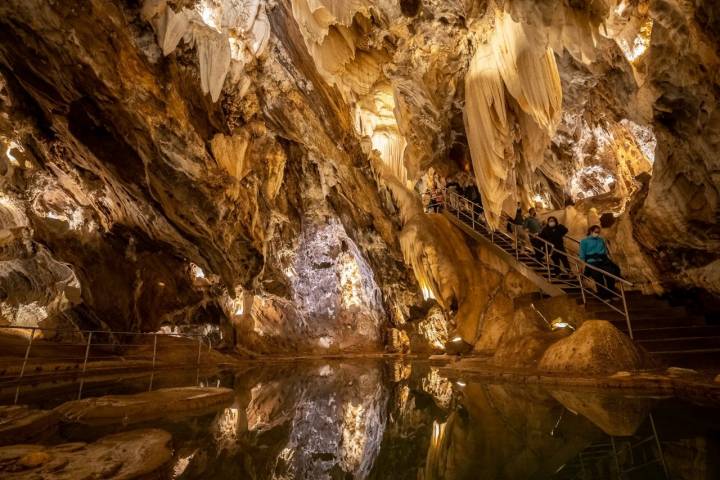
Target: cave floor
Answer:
[[364, 417]]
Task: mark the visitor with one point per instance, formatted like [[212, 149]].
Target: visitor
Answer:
[[594, 251], [554, 233], [533, 227], [514, 223], [438, 199]]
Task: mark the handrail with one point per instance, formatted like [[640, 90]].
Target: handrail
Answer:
[[108, 332], [511, 220], [193, 337], [550, 245], [449, 198]]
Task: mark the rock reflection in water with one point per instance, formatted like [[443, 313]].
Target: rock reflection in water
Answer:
[[504, 431], [317, 422], [402, 420], [407, 421]]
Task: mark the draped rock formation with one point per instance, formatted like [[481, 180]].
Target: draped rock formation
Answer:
[[514, 63]]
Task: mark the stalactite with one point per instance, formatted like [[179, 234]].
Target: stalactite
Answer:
[[488, 130], [375, 118], [529, 71], [513, 61], [222, 32]]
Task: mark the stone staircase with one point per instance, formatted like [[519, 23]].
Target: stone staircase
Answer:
[[670, 332]]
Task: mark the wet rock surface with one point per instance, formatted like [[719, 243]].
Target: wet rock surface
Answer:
[[20, 423], [163, 403], [125, 455]]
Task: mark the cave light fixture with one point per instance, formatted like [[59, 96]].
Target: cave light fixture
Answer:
[[559, 324]]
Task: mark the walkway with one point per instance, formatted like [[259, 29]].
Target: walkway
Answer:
[[668, 331]]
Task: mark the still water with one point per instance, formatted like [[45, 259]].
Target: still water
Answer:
[[401, 420]]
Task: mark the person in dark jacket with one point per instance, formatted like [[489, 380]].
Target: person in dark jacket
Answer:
[[554, 232], [594, 251], [533, 227]]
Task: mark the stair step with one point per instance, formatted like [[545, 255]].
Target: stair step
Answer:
[[677, 332], [680, 344], [645, 314], [641, 323], [670, 332]]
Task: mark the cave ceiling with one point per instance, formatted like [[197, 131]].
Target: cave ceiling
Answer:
[[180, 161]]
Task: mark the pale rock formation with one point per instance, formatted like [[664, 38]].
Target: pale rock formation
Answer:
[[324, 419], [517, 62], [226, 35]]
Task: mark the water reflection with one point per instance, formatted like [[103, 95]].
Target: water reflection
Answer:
[[399, 420]]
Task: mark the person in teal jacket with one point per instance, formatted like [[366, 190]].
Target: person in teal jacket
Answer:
[[594, 251]]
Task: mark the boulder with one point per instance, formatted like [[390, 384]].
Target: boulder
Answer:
[[596, 347], [523, 351], [614, 414]]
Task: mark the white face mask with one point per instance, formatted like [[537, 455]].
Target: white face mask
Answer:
[[552, 224], [595, 234]]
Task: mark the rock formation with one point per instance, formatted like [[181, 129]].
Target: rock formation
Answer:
[[175, 163]]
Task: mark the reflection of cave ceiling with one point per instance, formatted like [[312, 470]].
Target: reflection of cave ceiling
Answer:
[[140, 138]]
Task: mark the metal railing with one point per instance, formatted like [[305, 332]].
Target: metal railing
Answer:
[[580, 275], [86, 346]]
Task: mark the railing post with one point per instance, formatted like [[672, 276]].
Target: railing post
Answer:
[[87, 353], [517, 242], [580, 282], [22, 369], [625, 309], [199, 350], [154, 349], [659, 446], [547, 259]]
